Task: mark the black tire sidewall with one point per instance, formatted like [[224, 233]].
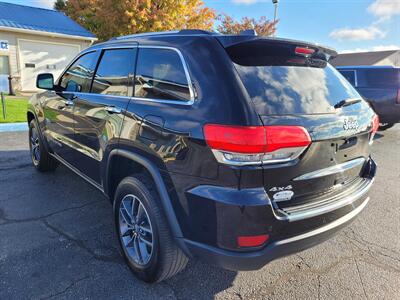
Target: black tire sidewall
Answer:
[[385, 127], [32, 125], [131, 185]]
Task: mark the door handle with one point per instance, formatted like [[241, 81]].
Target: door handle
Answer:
[[113, 109], [68, 102]]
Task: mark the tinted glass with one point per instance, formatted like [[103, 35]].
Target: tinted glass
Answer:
[[79, 76], [350, 76], [160, 75], [295, 89], [114, 74], [378, 78]]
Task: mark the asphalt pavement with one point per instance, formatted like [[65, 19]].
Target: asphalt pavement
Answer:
[[57, 242]]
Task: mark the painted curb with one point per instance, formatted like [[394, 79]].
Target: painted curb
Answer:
[[9, 127]]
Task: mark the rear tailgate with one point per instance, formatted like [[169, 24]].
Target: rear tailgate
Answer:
[[288, 87]]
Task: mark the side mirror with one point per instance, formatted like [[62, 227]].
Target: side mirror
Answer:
[[45, 81]]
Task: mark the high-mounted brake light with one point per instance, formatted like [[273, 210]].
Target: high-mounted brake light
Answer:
[[304, 51], [375, 127], [250, 145]]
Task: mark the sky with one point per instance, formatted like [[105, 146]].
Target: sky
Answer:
[[346, 25]]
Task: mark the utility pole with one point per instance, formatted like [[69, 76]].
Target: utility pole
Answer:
[[275, 3]]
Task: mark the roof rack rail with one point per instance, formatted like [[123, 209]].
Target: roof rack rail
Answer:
[[125, 37], [194, 31], [182, 31], [249, 32]]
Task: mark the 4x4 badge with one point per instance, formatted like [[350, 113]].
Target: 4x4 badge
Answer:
[[350, 124]]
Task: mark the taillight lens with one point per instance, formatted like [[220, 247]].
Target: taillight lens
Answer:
[[249, 145], [375, 127]]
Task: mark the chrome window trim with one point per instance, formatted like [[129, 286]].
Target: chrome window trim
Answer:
[[187, 75], [183, 61], [135, 98]]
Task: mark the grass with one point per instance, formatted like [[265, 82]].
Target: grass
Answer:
[[16, 109]]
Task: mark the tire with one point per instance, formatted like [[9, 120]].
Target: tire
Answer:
[[384, 126], [41, 159], [165, 259]]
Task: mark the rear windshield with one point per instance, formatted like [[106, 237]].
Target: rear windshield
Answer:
[[295, 89]]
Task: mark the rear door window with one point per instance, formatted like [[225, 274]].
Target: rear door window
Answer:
[[114, 75], [160, 74], [79, 75]]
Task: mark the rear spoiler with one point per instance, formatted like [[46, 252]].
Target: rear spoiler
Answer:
[[277, 46]]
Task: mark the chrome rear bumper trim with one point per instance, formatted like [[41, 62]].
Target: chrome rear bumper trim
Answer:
[[336, 223], [323, 209], [340, 168]]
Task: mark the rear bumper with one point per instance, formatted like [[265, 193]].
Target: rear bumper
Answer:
[[232, 260]]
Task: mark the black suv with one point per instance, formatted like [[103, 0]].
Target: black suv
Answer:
[[234, 149], [380, 86]]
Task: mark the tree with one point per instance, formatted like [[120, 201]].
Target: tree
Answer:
[[59, 5], [109, 18], [262, 26]]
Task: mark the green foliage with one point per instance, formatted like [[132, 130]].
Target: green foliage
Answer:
[[59, 5], [16, 109]]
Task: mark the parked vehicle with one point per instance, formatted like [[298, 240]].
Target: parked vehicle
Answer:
[[233, 149], [380, 86]]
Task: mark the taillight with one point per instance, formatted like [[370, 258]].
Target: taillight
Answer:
[[375, 127], [250, 145]]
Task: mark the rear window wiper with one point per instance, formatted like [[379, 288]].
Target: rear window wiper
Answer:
[[347, 102]]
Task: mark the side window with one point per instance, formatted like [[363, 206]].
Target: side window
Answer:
[[114, 75], [350, 76], [381, 78], [79, 76], [160, 75]]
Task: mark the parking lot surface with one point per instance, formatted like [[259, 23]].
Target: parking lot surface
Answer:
[[57, 242]]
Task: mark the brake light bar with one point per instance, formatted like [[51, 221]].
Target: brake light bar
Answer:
[[304, 51], [250, 145]]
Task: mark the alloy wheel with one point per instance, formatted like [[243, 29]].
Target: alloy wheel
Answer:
[[135, 230], [35, 146]]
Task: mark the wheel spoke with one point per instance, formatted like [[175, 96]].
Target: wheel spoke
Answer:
[[142, 239], [124, 217], [138, 250], [135, 208], [139, 216], [128, 214], [130, 242], [145, 229], [124, 230]]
